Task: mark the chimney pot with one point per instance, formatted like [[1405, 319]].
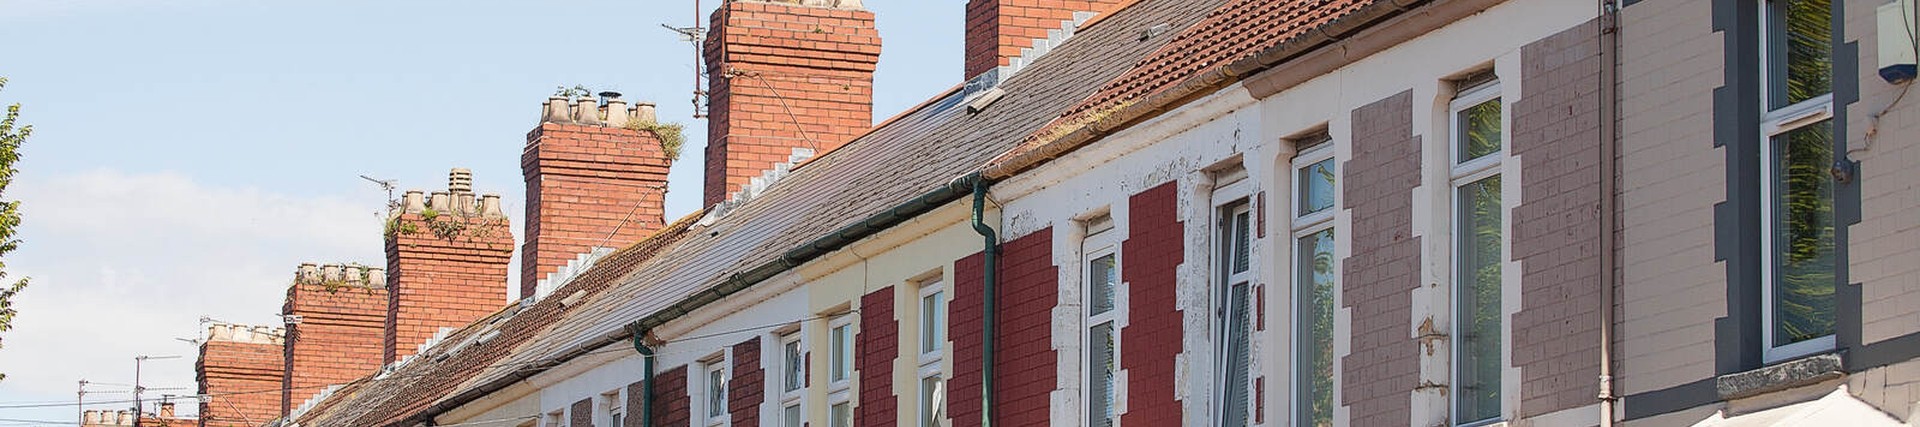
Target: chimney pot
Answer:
[[587, 112], [556, 110], [460, 180], [415, 201], [465, 204], [643, 112], [617, 113], [490, 206], [440, 201], [166, 410]]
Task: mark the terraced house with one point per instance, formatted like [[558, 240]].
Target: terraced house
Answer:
[[1200, 213]]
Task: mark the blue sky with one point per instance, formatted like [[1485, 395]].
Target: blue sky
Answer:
[[189, 153]]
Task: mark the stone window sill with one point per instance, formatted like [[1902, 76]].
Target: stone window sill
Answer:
[[1780, 376]]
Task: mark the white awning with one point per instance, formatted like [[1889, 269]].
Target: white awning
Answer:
[[1838, 408]]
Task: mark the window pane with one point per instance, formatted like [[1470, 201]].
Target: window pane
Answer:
[[1803, 258], [1479, 128], [716, 393], [619, 420], [1799, 42], [1316, 187], [933, 309], [1241, 241], [1101, 281], [792, 417], [840, 352], [841, 415], [795, 366], [1234, 374], [1316, 329], [932, 401], [1478, 293], [1100, 369]]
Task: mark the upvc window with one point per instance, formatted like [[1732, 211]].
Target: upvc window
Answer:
[[840, 369], [715, 391], [1315, 273], [1101, 273], [933, 339], [793, 377], [1233, 304], [1797, 191], [1478, 146]]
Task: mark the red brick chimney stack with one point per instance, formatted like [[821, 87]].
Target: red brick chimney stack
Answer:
[[235, 360], [785, 75], [998, 29], [447, 261], [596, 178], [336, 316]]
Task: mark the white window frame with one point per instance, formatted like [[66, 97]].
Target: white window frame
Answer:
[[932, 359], [840, 391], [1774, 122], [1303, 225], [1102, 240], [792, 391], [1232, 194], [613, 403], [557, 418], [718, 363], [1463, 174]]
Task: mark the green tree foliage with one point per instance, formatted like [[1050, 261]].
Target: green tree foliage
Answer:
[[11, 136]]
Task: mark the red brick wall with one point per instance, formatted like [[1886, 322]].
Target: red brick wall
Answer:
[[582, 181], [819, 60], [581, 415], [1151, 258], [1025, 363], [747, 388], [636, 404], [877, 344], [1556, 226], [670, 405], [998, 29], [240, 376], [437, 282], [1384, 268], [339, 338]]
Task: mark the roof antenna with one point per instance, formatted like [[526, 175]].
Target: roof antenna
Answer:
[[388, 185], [696, 35]]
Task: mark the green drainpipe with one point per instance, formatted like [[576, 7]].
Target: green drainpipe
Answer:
[[991, 257], [646, 381]]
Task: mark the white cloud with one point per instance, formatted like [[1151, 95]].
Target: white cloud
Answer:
[[123, 264]]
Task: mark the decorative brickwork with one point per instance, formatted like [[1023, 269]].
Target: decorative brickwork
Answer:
[[1384, 268], [335, 330], [747, 388], [1556, 226], [446, 261], [590, 183], [998, 29], [236, 364], [1026, 364], [878, 344], [1151, 258], [581, 414], [670, 405], [636, 404], [784, 76]]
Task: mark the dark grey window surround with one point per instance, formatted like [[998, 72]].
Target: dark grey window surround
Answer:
[[1737, 222]]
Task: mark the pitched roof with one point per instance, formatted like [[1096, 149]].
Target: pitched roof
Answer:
[[917, 151], [1237, 39]]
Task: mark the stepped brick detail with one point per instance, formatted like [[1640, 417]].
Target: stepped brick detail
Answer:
[[336, 319], [446, 262], [591, 182], [998, 29], [236, 363], [747, 388], [1153, 252], [784, 76]]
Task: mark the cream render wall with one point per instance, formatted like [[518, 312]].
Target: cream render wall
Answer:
[[1671, 176]]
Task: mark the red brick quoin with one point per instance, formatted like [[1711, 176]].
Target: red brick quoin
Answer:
[[1025, 363], [877, 344], [747, 388], [1151, 257]]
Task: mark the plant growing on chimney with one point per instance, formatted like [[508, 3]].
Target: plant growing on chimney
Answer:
[[669, 134], [11, 137]]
